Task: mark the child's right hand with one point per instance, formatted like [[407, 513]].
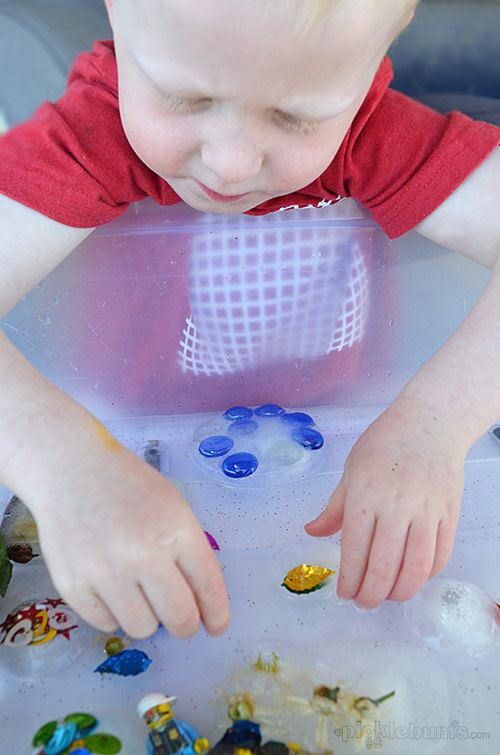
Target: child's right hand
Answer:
[[124, 549]]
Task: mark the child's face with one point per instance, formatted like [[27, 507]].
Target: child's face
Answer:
[[230, 103]]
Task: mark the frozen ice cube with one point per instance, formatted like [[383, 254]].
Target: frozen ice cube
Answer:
[[283, 453], [454, 616]]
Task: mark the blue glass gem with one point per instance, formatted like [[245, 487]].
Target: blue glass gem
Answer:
[[215, 445], [243, 427], [125, 663], [297, 418], [240, 465], [81, 751], [61, 739], [238, 412], [308, 437], [269, 410]]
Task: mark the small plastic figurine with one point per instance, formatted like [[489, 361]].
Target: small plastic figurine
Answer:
[[167, 735], [241, 737], [18, 540]]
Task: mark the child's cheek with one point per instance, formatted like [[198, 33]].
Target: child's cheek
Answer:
[[156, 139]]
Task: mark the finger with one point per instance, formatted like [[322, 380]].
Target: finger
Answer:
[[204, 576], [444, 547], [357, 535], [330, 520], [173, 601], [386, 555], [92, 609], [417, 563], [133, 610]]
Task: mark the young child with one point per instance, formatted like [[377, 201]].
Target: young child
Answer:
[[243, 107]]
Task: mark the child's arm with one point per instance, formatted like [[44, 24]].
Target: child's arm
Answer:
[[399, 499], [121, 544]]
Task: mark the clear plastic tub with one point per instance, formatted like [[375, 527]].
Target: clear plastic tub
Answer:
[[166, 318]]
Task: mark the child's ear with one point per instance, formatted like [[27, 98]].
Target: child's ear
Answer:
[[109, 8]]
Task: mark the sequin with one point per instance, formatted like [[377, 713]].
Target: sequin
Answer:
[[44, 734], [306, 578], [61, 739], [85, 722], [213, 542], [103, 744], [125, 663]]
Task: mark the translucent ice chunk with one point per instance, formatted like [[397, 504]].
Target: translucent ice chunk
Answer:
[[283, 454], [39, 638], [242, 427], [454, 617]]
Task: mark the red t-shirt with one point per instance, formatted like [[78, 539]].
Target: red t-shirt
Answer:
[[72, 161]]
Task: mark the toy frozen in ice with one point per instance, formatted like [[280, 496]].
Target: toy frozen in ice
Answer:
[[19, 532], [263, 684], [241, 736], [166, 734], [454, 617], [40, 637], [259, 442], [306, 578], [5, 567], [18, 540], [258, 690], [316, 721], [74, 734]]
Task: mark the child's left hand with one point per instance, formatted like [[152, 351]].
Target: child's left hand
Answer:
[[397, 504]]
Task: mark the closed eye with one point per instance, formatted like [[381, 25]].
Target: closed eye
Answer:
[[186, 104], [299, 125], [196, 104]]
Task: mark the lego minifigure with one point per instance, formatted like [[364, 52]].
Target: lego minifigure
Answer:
[[167, 735]]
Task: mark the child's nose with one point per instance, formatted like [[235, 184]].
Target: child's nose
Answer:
[[233, 159]]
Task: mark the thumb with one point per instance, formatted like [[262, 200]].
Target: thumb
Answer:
[[330, 520]]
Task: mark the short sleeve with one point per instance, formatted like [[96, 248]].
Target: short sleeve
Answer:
[[71, 161], [405, 159]]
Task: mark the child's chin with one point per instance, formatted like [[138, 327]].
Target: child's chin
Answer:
[[221, 208]]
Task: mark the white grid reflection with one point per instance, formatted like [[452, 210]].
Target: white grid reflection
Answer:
[[270, 296]]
